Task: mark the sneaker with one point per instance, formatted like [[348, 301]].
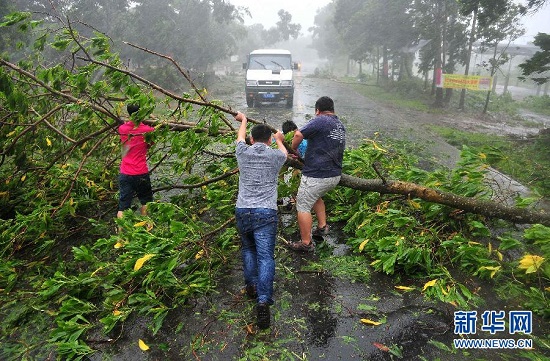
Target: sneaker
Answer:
[[321, 232], [251, 291], [301, 246], [264, 316]]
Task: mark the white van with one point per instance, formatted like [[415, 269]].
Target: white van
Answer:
[[269, 77]]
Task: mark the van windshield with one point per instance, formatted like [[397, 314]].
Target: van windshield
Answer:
[[269, 62]]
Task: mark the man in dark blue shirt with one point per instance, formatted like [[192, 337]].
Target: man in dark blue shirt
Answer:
[[326, 138]]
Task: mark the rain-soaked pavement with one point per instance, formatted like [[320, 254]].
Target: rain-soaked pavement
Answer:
[[317, 314]]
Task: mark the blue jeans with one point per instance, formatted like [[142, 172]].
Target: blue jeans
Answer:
[[258, 230]]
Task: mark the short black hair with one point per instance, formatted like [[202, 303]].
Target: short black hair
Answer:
[[261, 133], [324, 104], [289, 126], [132, 108]]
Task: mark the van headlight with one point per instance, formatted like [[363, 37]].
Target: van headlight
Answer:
[[286, 83], [251, 83]]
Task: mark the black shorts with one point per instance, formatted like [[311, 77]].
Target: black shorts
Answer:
[[134, 185]]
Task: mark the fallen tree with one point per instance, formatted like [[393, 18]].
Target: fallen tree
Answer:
[[68, 278], [486, 208], [102, 106]]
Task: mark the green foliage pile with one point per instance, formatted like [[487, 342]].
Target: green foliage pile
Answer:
[[66, 269], [434, 246]]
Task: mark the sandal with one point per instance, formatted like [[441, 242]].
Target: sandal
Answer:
[[301, 246]]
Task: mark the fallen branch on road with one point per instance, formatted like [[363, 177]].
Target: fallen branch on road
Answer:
[[487, 208], [483, 207]]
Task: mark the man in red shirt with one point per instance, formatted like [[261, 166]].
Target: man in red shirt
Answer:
[[134, 174]]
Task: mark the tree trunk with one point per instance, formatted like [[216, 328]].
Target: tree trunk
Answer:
[[493, 71], [448, 95], [438, 62], [507, 79], [478, 206], [470, 46], [488, 208], [385, 63], [377, 65]]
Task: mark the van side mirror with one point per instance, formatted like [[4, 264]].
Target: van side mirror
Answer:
[[244, 66], [296, 66]]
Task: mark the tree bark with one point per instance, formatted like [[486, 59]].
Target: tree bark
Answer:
[[438, 62], [486, 208], [467, 68]]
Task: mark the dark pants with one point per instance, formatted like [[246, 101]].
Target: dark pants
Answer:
[[131, 185]]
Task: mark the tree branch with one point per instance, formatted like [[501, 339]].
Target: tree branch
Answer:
[[198, 185], [182, 72], [473, 205]]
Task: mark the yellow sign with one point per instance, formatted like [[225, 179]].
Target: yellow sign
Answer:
[[471, 82]]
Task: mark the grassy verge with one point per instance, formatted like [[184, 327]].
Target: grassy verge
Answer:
[[525, 160], [407, 94], [537, 104]]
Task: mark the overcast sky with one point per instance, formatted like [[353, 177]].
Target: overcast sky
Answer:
[[303, 12]]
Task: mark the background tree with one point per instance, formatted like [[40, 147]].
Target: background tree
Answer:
[[283, 30], [181, 29], [441, 24], [483, 13], [347, 31], [538, 66], [536, 4], [506, 27], [285, 26], [377, 27], [326, 39]]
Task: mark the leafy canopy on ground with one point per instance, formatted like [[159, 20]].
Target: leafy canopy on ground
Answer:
[[64, 271]]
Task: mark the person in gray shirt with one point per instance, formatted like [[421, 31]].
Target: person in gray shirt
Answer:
[[256, 211]]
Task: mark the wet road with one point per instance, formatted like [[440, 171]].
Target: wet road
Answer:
[[361, 116]]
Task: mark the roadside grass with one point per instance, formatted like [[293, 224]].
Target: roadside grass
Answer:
[[409, 94], [525, 160], [415, 94], [539, 105]]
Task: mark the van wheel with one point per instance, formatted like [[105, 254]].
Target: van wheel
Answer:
[[250, 102], [289, 102]]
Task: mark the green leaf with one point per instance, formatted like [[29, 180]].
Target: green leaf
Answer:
[[40, 43], [507, 243], [14, 18], [61, 44]]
